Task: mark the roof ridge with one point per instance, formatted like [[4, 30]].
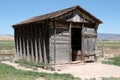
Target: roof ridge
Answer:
[[56, 14]]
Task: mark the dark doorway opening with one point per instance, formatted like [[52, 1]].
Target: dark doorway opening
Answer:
[[76, 43]]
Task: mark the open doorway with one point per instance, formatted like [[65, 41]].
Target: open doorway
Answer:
[[76, 43]]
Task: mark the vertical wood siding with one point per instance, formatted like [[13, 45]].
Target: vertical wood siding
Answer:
[[32, 43]]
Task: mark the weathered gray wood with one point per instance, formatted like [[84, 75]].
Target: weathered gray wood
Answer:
[[28, 44], [70, 48], [44, 43], [23, 38], [35, 43], [20, 44], [40, 44], [82, 43], [54, 26], [51, 46], [32, 44], [61, 37], [47, 42], [16, 44]]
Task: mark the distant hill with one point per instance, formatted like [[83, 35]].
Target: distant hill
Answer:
[[6, 37], [108, 36]]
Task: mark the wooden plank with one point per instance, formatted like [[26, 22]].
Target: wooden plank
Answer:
[[60, 42], [32, 43], [54, 26], [16, 43], [44, 43], [82, 44], [28, 43], [47, 42], [35, 30], [23, 42], [51, 46], [60, 38], [70, 48], [20, 44], [40, 44]]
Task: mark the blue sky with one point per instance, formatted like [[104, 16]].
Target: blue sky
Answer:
[[15, 11]]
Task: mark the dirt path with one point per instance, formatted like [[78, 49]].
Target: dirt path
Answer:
[[92, 70], [83, 71]]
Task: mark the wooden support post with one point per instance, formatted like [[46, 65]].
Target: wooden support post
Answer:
[[40, 42], [36, 47], [70, 48], [96, 27], [16, 44], [28, 52], [44, 43], [20, 44], [27, 44], [23, 42], [54, 26], [32, 42], [82, 44]]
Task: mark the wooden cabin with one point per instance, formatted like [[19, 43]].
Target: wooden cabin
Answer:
[[58, 37]]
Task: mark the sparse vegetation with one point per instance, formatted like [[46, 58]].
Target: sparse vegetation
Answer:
[[10, 73], [31, 64], [6, 44], [6, 48], [111, 78], [114, 60], [108, 43], [103, 78]]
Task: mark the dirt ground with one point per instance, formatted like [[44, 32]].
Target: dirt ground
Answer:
[[78, 69], [81, 70], [92, 70]]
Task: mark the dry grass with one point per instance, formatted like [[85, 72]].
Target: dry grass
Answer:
[[6, 38]]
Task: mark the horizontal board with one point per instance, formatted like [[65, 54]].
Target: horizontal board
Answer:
[[65, 34], [60, 39], [60, 42], [62, 45]]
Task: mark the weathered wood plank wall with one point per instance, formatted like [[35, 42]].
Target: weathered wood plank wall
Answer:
[[32, 43], [89, 37], [59, 45]]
